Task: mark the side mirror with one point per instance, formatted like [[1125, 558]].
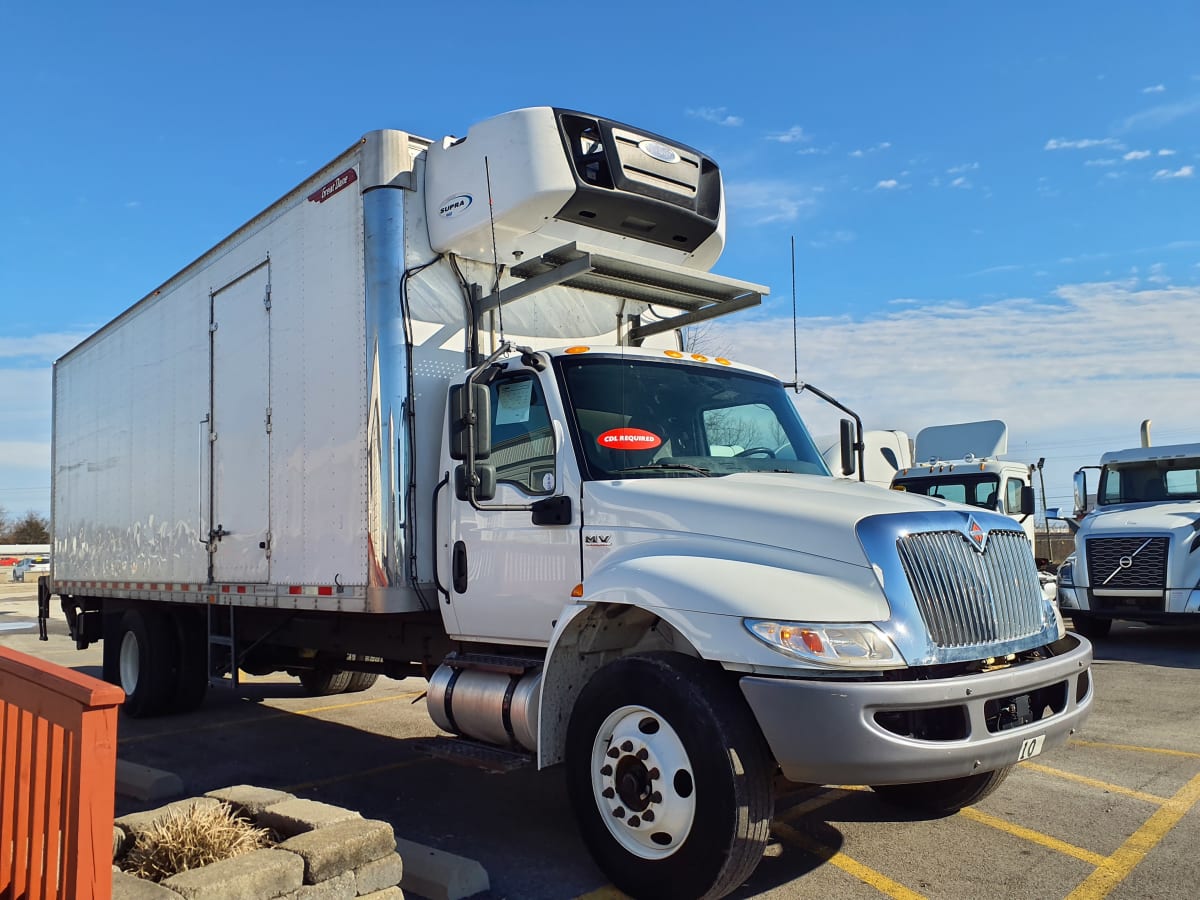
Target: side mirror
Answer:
[[479, 428], [1080, 485], [846, 436], [485, 482], [1027, 500]]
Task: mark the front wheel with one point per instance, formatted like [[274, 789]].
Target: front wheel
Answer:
[[1091, 627], [669, 777], [943, 797]]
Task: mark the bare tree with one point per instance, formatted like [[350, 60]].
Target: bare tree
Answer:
[[704, 337]]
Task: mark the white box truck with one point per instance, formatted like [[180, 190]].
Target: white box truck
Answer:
[[1136, 543], [428, 414]]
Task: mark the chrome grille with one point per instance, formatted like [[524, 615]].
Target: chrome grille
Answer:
[[968, 598], [1127, 563]]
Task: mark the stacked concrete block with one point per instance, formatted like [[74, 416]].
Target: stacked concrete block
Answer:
[[324, 852]]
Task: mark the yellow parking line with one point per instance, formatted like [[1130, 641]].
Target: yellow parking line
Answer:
[[1106, 746], [1036, 837], [1116, 868], [277, 714], [865, 874], [1092, 782]]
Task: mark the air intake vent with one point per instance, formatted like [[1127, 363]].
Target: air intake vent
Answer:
[[1127, 563], [968, 598]]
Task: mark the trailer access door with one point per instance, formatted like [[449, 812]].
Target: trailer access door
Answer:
[[240, 429]]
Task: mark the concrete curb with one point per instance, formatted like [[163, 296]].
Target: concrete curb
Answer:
[[146, 784]]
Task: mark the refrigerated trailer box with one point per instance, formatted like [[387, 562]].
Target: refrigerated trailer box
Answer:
[[429, 414]]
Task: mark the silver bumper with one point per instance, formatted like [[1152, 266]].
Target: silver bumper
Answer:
[[825, 732]]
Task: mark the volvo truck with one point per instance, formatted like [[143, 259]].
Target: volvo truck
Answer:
[[429, 415], [1136, 540]]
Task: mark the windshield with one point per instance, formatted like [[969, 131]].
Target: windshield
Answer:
[[1150, 482], [634, 417], [974, 490]]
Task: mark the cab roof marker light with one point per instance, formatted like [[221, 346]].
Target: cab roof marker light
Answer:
[[849, 646]]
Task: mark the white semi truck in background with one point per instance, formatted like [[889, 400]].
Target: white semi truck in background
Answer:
[[428, 414], [1137, 542]]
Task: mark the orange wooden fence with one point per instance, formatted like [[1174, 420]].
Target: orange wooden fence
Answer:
[[58, 759]]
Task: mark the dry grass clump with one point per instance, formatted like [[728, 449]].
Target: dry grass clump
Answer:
[[191, 838]]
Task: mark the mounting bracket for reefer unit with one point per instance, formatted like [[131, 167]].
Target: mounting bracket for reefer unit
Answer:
[[696, 295]]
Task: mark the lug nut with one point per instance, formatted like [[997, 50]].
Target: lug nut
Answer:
[[606, 771], [608, 793], [627, 746], [648, 815], [643, 754], [619, 812], [654, 774], [656, 797], [634, 822], [613, 752]]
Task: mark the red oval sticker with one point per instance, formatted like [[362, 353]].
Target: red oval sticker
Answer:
[[629, 439]]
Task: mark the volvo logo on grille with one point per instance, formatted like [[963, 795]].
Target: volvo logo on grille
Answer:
[[976, 534], [1125, 562]]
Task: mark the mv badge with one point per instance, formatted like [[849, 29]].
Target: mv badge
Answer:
[[977, 534]]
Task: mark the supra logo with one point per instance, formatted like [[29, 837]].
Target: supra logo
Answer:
[[977, 534], [597, 540], [453, 206]]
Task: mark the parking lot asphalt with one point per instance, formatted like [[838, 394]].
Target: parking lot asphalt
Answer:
[[1113, 814]]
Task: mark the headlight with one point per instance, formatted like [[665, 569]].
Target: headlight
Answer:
[[854, 646], [1066, 572]]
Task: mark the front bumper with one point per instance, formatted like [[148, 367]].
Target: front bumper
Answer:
[[824, 732]]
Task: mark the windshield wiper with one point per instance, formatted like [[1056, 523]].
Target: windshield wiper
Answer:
[[675, 466]]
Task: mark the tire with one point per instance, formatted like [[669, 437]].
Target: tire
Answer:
[[943, 798], [147, 657], [698, 833], [324, 682], [1091, 627], [191, 683], [361, 681]]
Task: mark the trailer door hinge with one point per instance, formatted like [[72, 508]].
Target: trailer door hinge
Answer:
[[266, 545], [267, 298], [212, 328], [268, 420]]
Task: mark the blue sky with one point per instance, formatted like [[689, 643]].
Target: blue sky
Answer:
[[994, 207]]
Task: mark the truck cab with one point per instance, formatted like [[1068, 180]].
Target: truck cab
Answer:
[[1135, 548]]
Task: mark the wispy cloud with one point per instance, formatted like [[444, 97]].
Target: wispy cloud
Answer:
[[1041, 378], [876, 148], [718, 115], [1101, 162], [769, 201], [794, 135], [1181, 172], [963, 169], [1136, 154], [889, 184], [1166, 151], [832, 238], [1081, 144], [39, 347], [1154, 89], [1158, 116], [961, 183]]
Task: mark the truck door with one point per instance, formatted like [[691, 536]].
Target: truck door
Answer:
[[240, 423], [509, 578]]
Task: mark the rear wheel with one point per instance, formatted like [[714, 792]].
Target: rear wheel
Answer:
[[669, 777], [943, 797], [146, 661], [192, 682], [361, 681], [322, 682]]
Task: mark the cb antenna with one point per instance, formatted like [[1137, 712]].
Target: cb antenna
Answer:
[[795, 339], [487, 171]]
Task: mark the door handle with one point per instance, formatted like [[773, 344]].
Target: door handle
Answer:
[[459, 568]]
